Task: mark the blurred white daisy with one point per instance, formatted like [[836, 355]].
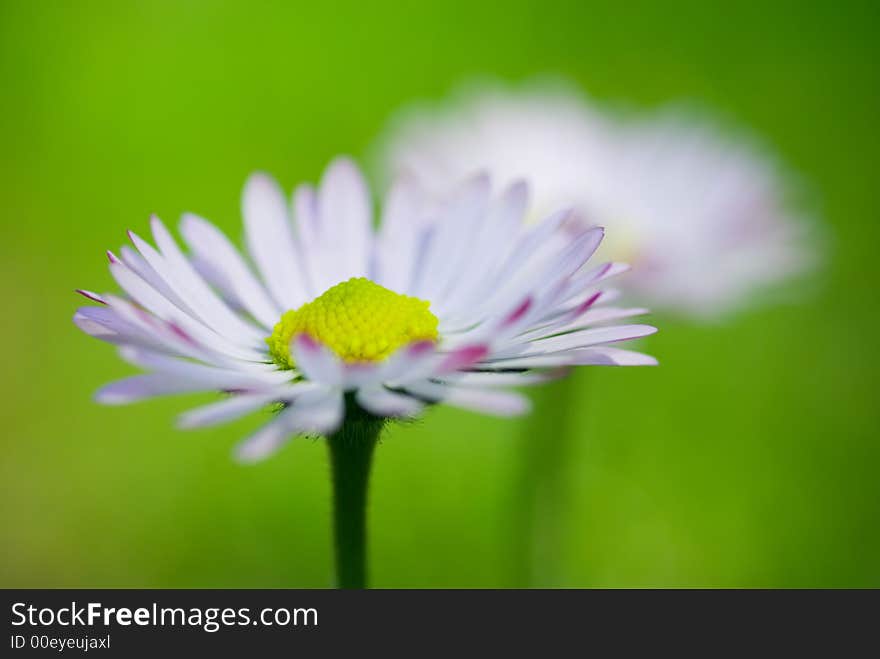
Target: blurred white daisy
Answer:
[[700, 217], [451, 302]]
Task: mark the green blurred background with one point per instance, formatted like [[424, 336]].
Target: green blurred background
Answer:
[[749, 458]]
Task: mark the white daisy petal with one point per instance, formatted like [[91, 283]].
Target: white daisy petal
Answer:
[[217, 378], [105, 324], [612, 357], [385, 403], [488, 401], [448, 253], [462, 358], [305, 208], [522, 363], [153, 301], [591, 337], [145, 271], [100, 322], [400, 231], [308, 235], [508, 379], [211, 246], [419, 361], [492, 239], [269, 240], [591, 276], [318, 411], [513, 279], [178, 273], [167, 336], [414, 357], [316, 361], [149, 385], [219, 281], [583, 321], [343, 199], [267, 440], [357, 375], [238, 405]]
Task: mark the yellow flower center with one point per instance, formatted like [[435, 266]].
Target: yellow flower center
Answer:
[[358, 319]]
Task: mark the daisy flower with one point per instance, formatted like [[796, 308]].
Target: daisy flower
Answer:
[[700, 217], [340, 325]]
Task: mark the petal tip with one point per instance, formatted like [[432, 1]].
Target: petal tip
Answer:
[[306, 341], [519, 312], [418, 348], [89, 295]]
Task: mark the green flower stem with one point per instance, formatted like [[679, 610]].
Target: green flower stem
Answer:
[[542, 488], [351, 454]]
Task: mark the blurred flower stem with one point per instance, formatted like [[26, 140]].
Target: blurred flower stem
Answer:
[[542, 488], [351, 455]]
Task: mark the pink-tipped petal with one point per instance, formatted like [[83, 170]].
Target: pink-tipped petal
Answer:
[[317, 362], [462, 358], [89, 295], [517, 314]]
